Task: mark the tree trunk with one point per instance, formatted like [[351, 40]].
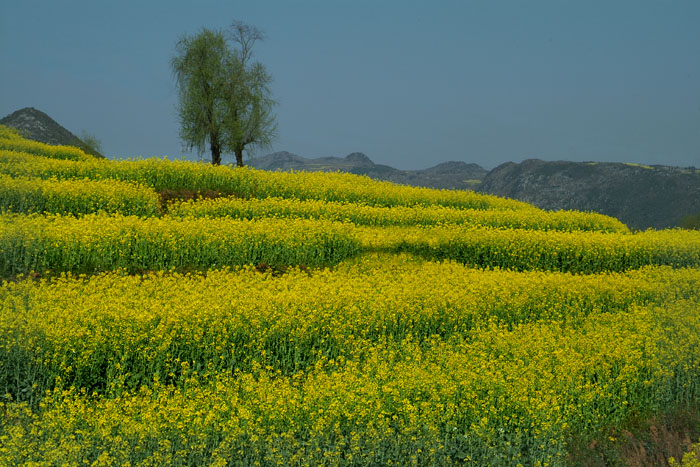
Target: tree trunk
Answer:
[[215, 150], [239, 157]]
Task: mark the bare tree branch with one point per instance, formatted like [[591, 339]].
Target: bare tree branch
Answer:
[[245, 36]]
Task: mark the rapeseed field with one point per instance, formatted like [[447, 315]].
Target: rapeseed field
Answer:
[[323, 319]]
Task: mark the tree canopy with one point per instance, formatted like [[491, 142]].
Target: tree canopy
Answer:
[[224, 96]]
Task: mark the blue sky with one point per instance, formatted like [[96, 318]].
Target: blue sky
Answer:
[[411, 84]]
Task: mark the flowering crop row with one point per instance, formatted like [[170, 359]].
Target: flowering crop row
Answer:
[[690, 458], [505, 397], [7, 132], [102, 242], [582, 252], [11, 141], [126, 330], [28, 195], [247, 182], [398, 215], [99, 242]]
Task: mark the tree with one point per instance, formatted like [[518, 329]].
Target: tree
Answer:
[[225, 97], [691, 222], [91, 141]]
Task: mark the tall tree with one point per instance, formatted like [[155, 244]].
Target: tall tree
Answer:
[[225, 97]]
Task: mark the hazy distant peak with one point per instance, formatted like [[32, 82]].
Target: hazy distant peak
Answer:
[[456, 166], [285, 156], [359, 159]]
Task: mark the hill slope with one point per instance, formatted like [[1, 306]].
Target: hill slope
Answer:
[[640, 196], [36, 125]]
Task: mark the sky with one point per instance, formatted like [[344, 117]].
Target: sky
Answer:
[[409, 83]]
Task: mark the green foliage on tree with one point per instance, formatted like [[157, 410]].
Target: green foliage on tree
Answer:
[[690, 222], [224, 96], [91, 141]]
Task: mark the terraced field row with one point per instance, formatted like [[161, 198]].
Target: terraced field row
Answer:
[[99, 242]]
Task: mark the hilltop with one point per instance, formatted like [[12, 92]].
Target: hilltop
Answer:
[[36, 125]]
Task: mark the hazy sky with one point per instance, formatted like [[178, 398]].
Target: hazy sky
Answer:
[[410, 84]]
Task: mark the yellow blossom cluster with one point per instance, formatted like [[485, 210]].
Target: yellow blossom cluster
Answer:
[[132, 328], [7, 132], [583, 252], [99, 242], [362, 214], [690, 458], [11, 141], [502, 395], [28, 195]]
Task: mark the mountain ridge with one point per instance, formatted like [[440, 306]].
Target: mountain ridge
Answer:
[[454, 175]]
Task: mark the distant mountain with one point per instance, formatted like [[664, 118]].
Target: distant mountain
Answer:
[[640, 196], [451, 175], [36, 125]]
